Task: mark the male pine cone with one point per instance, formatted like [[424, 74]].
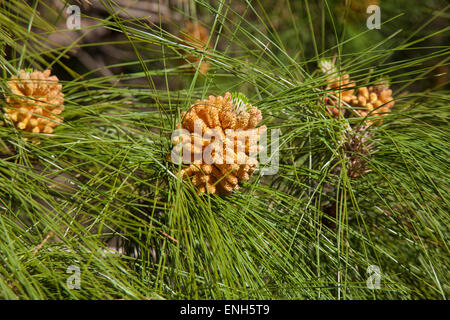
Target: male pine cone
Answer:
[[227, 127], [374, 100], [35, 102], [340, 90]]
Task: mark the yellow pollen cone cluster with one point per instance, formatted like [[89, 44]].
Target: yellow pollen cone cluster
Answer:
[[374, 100], [35, 102], [339, 90], [227, 127]]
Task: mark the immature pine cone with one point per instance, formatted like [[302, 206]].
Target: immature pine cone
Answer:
[[227, 126], [35, 102], [196, 35], [357, 147], [339, 90], [376, 100]]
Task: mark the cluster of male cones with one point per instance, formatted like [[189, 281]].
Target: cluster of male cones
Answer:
[[340, 89], [227, 126], [373, 102], [369, 101], [35, 101]]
